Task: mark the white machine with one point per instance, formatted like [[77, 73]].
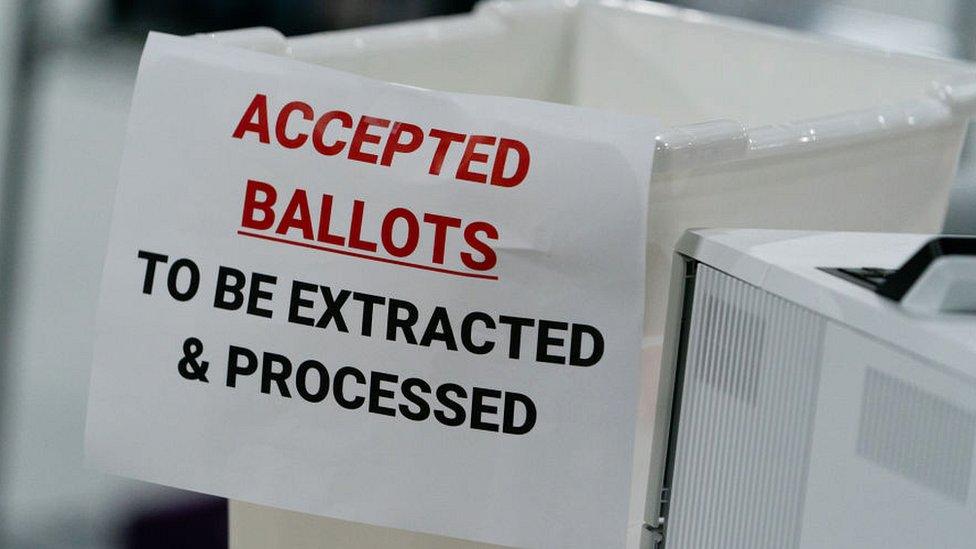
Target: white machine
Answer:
[[824, 392]]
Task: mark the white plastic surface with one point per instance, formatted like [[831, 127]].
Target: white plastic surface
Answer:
[[768, 128], [786, 265], [799, 429]]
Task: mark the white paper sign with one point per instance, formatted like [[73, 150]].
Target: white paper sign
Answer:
[[373, 302]]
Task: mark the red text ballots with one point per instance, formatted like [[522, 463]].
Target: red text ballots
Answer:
[[393, 235]]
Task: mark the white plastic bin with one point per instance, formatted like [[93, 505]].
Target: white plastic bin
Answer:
[[766, 128]]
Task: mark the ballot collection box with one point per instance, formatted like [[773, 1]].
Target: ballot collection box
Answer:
[[765, 128]]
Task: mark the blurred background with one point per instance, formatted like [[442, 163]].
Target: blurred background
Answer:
[[67, 68]]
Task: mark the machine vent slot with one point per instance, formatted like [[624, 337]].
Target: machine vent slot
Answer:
[[917, 435], [736, 371], [740, 456]]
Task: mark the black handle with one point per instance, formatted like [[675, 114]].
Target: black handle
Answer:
[[899, 282]]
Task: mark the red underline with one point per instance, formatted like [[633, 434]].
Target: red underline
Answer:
[[366, 256]]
